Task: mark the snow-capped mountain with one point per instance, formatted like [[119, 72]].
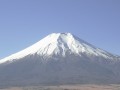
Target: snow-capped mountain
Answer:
[[59, 44], [60, 58]]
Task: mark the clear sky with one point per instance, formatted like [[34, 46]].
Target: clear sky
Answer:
[[24, 22]]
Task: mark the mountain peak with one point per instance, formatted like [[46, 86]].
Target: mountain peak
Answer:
[[59, 44], [66, 33], [60, 35]]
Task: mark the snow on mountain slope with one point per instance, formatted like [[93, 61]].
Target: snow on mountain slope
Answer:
[[59, 44]]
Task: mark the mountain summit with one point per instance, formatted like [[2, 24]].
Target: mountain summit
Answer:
[[60, 58], [59, 44]]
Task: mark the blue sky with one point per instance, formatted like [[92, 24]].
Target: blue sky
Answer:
[[24, 22]]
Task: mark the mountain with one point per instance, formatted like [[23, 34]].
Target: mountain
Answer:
[[60, 58], [59, 44]]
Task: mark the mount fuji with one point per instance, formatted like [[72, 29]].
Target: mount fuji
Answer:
[[60, 58]]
